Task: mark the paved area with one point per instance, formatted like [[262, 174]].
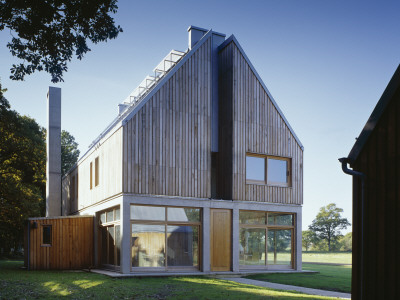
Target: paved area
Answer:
[[192, 273], [285, 287]]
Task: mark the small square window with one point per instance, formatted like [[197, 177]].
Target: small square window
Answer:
[[46, 235], [278, 171], [255, 168]]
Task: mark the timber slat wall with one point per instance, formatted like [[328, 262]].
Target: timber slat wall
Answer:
[[110, 176], [167, 144], [71, 248], [257, 128], [380, 161]]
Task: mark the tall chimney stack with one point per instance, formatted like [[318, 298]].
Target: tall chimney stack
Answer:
[[53, 162]]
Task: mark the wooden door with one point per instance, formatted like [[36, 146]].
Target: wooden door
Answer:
[[221, 239]]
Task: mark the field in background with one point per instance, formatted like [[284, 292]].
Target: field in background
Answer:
[[327, 257], [330, 278], [16, 283]]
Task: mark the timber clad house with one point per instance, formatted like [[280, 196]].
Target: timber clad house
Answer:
[[200, 172]]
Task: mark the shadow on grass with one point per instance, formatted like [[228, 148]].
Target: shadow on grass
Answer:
[[18, 283]]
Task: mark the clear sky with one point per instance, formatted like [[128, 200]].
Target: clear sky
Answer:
[[326, 63]]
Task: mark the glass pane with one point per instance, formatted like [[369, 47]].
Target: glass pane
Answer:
[[118, 243], [110, 231], [252, 246], [255, 168], [181, 214], [47, 235], [280, 219], [102, 218], [252, 217], [103, 256], [279, 247], [183, 247], [148, 245], [155, 213], [277, 171], [110, 216], [117, 214]]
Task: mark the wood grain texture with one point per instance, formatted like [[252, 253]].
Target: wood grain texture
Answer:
[[109, 176], [221, 239], [250, 123], [71, 246], [167, 144]]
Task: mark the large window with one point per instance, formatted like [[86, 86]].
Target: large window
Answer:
[[266, 240], [165, 237], [271, 170]]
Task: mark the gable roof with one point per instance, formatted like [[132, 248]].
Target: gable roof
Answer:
[[232, 39], [128, 114], [387, 96]]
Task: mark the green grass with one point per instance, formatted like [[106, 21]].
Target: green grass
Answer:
[[327, 257], [330, 278], [16, 283]]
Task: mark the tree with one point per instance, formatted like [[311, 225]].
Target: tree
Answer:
[[328, 223], [308, 239], [22, 173], [69, 152], [49, 33], [346, 242]]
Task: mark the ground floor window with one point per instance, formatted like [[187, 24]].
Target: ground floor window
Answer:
[[165, 237], [110, 238], [266, 239]]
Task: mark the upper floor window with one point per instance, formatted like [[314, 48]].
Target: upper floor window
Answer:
[[265, 169], [96, 171]]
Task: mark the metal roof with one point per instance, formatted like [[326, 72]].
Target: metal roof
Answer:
[[392, 87]]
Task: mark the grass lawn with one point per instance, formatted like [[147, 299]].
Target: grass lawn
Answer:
[[16, 283], [327, 257], [331, 278]]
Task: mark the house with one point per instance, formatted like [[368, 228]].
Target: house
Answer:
[[199, 172], [375, 160]]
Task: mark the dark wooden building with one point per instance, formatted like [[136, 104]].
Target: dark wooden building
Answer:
[[376, 201]]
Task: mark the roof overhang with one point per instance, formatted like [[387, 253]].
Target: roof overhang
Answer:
[[392, 87]]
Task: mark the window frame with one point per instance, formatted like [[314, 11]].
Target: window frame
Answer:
[[96, 171], [267, 227], [43, 244], [166, 223], [265, 181]]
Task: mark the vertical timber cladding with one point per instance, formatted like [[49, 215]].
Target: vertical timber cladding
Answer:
[[258, 127], [70, 247], [379, 160], [167, 144]]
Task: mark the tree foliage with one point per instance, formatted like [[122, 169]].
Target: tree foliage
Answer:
[[69, 152], [49, 33], [22, 173], [328, 223], [308, 239]]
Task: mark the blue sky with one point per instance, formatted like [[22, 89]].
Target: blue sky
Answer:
[[326, 63]]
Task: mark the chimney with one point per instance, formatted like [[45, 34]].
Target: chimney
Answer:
[[195, 34], [53, 145]]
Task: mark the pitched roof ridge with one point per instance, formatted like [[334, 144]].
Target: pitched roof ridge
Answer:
[[387, 95], [233, 39], [131, 111]]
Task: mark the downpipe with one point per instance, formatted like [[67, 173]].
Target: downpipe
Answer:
[[344, 161]]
